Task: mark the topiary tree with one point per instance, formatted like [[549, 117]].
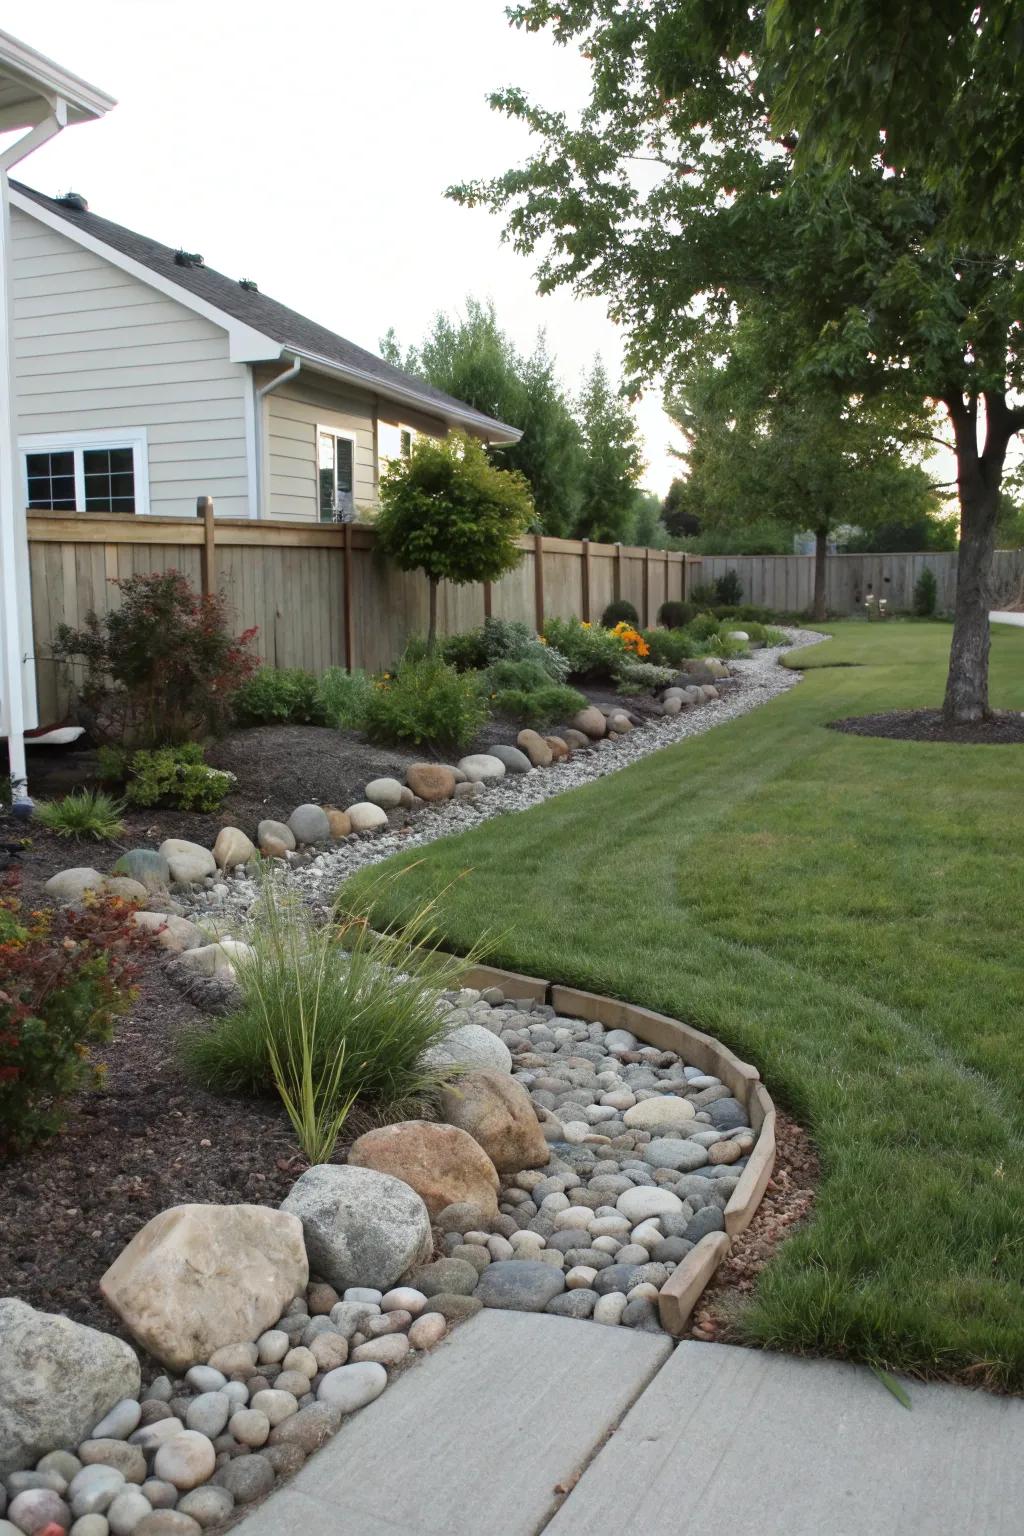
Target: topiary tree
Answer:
[[448, 512], [617, 611]]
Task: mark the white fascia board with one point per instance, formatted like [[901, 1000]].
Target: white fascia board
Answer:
[[44, 82], [465, 417], [246, 344]]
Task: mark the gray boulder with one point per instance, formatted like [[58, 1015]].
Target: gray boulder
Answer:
[[472, 1046], [146, 866], [71, 884], [514, 760], [309, 824], [57, 1379], [361, 1227]]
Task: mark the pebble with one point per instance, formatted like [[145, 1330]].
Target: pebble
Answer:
[[426, 1331], [390, 1350], [404, 1298], [639, 1204], [363, 1293], [310, 1427], [93, 1488], [209, 1505], [36, 1508], [128, 1508], [208, 1413], [353, 1386], [247, 1478], [62, 1462], [275, 1405], [301, 1360], [186, 1461], [610, 1307], [231, 1359], [119, 1422], [168, 1522], [126, 1458], [160, 1494], [329, 1350], [91, 1525], [250, 1426], [272, 1346], [203, 1378]]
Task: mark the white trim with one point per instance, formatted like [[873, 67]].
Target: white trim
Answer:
[[423, 403], [250, 406], [45, 81], [135, 438], [350, 437]]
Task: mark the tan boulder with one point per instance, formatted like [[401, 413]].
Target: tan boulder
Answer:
[[575, 739], [339, 822], [442, 1163], [591, 722], [559, 748], [535, 747], [124, 887], [497, 1113], [171, 932], [273, 848], [431, 781], [198, 1277], [232, 848]]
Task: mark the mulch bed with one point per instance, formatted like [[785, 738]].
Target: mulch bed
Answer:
[[999, 730]]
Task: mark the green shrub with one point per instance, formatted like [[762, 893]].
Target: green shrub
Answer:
[[342, 697], [591, 651], [676, 615], [278, 696], [643, 676], [425, 704], [925, 594], [64, 978], [538, 706], [704, 596], [619, 611], [729, 588], [83, 813], [161, 667], [177, 776], [670, 647], [704, 627], [329, 1014], [503, 640]]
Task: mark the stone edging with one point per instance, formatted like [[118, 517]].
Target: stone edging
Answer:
[[686, 1284]]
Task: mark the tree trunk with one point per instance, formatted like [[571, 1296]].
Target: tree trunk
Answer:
[[979, 476], [820, 568], [432, 622]]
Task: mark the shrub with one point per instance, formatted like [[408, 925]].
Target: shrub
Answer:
[[522, 690], [618, 611], [328, 1014], [704, 596], [342, 697], [925, 594], [642, 676], [64, 978], [83, 813], [729, 588], [676, 615], [503, 640], [278, 696], [425, 704], [177, 776], [162, 667], [704, 627], [591, 651], [670, 647]]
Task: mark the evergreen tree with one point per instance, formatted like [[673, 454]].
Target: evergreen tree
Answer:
[[612, 463]]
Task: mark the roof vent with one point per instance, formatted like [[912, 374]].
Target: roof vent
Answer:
[[248, 284], [187, 259], [73, 200]]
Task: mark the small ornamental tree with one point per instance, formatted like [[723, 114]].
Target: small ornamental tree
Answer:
[[448, 512]]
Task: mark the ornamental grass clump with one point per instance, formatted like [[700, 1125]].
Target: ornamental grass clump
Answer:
[[329, 1013], [84, 813]]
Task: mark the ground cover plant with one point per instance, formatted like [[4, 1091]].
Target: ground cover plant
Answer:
[[294, 696], [178, 776], [84, 813], [843, 912], [523, 690]]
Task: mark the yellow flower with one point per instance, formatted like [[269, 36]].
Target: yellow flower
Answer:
[[585, 624]]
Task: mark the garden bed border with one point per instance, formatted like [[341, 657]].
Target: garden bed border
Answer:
[[686, 1284]]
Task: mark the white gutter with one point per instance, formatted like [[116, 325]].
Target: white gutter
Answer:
[[261, 394]]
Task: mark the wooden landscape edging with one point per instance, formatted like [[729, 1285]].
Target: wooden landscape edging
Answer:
[[688, 1281]]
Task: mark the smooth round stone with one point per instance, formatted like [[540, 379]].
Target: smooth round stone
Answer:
[[632, 1253], [295, 1382], [577, 1303], [306, 1431], [527, 1242], [387, 793], [364, 816], [647, 1233], [209, 1505], [128, 1508], [168, 1522], [609, 1226], [287, 1459], [445, 1276], [308, 824], [161, 1495], [348, 1316], [683, 1156], [152, 1435], [90, 1525], [36, 1508], [427, 1331], [250, 1427], [301, 1361], [127, 1458], [574, 1216], [272, 1346], [609, 1309], [20, 1482], [275, 1404], [320, 1298], [665, 1112], [609, 1245], [236, 1392], [246, 1478], [390, 1350], [364, 1293], [499, 1247], [92, 1489], [641, 1312], [620, 1040], [455, 1308], [640, 1203], [482, 768], [514, 760], [520, 1285], [161, 1390], [119, 1422], [645, 1288], [62, 1462], [329, 1350], [556, 1203], [353, 1386], [581, 1277], [617, 1277], [387, 1322], [403, 1298], [231, 1358], [186, 1461], [203, 1378], [208, 1413]]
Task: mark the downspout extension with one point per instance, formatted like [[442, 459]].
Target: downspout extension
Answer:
[[261, 394]]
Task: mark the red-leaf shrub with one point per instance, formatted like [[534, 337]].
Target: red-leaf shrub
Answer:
[[162, 667], [64, 978]]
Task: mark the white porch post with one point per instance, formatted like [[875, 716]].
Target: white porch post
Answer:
[[15, 597]]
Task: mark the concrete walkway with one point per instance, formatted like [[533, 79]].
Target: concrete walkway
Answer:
[[521, 1424]]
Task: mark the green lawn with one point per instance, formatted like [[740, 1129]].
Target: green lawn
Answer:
[[846, 913]]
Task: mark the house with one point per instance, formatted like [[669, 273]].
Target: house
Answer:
[[145, 379]]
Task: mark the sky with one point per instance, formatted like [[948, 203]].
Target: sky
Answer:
[[307, 146]]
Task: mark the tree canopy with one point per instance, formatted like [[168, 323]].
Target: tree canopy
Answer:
[[612, 461]]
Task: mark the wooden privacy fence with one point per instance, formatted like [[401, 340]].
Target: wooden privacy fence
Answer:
[[320, 594], [786, 582]]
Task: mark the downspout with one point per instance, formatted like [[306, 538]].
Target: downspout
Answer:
[[261, 394], [16, 586]]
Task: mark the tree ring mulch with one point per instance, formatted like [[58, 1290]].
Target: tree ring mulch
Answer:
[[1001, 729]]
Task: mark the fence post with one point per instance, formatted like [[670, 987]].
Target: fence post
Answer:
[[350, 643], [585, 580], [204, 509], [668, 569], [487, 599], [647, 589], [538, 580], [617, 575]]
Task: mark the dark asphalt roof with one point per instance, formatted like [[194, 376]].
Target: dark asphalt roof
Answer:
[[255, 309]]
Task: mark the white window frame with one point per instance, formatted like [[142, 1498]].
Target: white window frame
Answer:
[[350, 437], [135, 438], [399, 427]]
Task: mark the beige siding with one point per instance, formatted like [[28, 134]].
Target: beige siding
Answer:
[[293, 414], [96, 348]]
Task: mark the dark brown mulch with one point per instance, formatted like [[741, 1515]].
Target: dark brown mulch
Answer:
[[786, 1205], [999, 730]]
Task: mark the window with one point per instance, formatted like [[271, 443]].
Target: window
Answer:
[[87, 472], [393, 441], [336, 469], [405, 442]]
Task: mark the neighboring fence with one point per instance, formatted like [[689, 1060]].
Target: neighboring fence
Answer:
[[786, 582], [320, 594]]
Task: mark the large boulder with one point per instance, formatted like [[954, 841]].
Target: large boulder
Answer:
[[277, 833], [170, 932], [309, 824], [188, 862], [57, 1379], [471, 1046], [147, 866], [200, 1276], [361, 1227], [514, 760], [364, 816], [498, 1113], [70, 885], [591, 722], [431, 781], [387, 793], [441, 1163], [535, 747], [232, 848], [482, 768]]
